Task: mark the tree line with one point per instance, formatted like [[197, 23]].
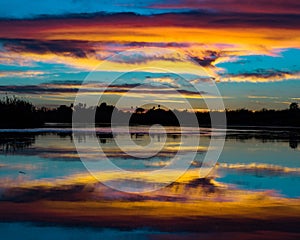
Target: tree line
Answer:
[[20, 113]]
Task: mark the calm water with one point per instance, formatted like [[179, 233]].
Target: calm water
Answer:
[[29, 231], [251, 160]]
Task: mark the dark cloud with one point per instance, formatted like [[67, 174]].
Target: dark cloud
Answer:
[[12, 28], [67, 87], [68, 82], [158, 44], [35, 89], [210, 57], [88, 49], [258, 6], [265, 73], [72, 48], [194, 19]]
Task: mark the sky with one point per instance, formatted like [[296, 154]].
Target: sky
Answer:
[[250, 50]]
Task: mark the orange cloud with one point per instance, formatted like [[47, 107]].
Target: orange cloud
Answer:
[[85, 42]]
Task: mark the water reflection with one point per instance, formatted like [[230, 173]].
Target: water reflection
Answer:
[[255, 160], [293, 141], [292, 137], [12, 142]]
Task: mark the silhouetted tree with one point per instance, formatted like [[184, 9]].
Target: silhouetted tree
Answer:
[[139, 110], [16, 112], [20, 113], [294, 106]]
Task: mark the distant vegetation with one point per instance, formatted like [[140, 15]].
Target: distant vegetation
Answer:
[[15, 112]]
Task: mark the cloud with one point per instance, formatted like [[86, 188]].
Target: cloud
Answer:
[[21, 74], [147, 55], [262, 97], [237, 6], [97, 88], [208, 58], [261, 75], [140, 28], [164, 80], [101, 50], [83, 41], [77, 49], [89, 54]]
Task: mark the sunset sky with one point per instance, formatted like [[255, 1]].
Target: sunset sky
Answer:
[[250, 48]]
